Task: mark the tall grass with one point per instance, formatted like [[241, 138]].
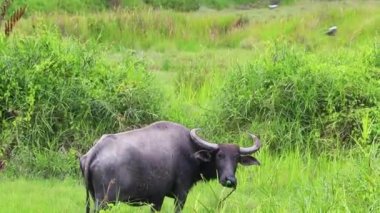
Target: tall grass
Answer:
[[293, 182], [168, 30], [307, 95], [75, 6], [144, 28], [312, 99], [57, 96], [80, 6], [276, 75]]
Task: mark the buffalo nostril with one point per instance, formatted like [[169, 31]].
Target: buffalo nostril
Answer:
[[231, 182]]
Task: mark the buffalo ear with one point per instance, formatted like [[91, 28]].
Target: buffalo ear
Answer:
[[248, 161], [203, 155]]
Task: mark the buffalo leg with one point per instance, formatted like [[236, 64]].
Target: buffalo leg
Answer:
[[157, 204], [105, 195], [180, 193], [179, 201], [97, 205]]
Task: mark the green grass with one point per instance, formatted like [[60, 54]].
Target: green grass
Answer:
[[83, 6], [293, 182], [313, 99], [164, 31]]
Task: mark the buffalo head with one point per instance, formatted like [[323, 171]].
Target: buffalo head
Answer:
[[226, 157]]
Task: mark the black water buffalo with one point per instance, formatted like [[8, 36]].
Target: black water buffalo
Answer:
[[163, 159]]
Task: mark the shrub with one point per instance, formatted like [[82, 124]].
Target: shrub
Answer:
[[36, 162], [180, 5], [57, 94], [63, 5], [323, 97]]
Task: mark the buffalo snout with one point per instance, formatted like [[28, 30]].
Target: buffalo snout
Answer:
[[229, 182]]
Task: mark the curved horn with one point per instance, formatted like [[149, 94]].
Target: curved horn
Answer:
[[253, 148], [201, 142]]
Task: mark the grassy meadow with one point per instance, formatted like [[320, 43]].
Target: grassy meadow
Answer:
[[290, 183], [74, 70]]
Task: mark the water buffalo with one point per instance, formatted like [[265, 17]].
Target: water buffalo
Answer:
[[143, 166]]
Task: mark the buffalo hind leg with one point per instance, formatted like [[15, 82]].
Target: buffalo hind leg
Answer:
[[97, 205], [106, 194], [102, 205]]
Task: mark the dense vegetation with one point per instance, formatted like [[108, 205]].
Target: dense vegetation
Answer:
[[74, 70], [75, 6], [57, 95]]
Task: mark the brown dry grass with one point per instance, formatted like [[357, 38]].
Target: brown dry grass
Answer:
[[16, 16]]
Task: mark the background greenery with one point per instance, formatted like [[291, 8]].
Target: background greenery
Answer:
[[74, 6], [74, 70]]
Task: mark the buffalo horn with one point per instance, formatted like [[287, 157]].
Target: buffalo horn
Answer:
[[253, 148], [201, 142]]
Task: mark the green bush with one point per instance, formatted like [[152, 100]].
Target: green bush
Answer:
[[80, 6], [219, 4], [321, 98], [36, 162], [180, 5], [70, 6], [58, 94], [75, 6]]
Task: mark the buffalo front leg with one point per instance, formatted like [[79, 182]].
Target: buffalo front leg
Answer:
[[179, 201]]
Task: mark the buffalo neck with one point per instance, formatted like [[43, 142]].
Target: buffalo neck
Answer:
[[208, 170]]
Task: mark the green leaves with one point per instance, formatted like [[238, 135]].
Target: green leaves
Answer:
[[67, 95], [312, 92]]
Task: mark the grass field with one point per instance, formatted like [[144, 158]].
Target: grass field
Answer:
[[72, 71], [290, 183]]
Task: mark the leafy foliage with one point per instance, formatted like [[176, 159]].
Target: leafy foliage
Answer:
[[180, 5], [310, 95], [56, 94], [303, 91]]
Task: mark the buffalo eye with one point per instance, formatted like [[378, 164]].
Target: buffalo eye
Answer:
[[220, 155]]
